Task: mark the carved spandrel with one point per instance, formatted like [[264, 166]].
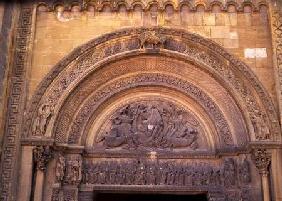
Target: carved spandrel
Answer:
[[151, 124]]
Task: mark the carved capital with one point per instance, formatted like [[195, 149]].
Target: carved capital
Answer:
[[42, 155], [262, 159]]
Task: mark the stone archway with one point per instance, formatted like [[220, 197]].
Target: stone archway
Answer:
[[174, 108]]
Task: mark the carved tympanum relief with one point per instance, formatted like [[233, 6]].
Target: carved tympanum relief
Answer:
[[150, 124]]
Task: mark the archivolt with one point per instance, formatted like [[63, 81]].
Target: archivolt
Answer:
[[234, 74]]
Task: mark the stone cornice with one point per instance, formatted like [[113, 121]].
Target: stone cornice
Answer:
[[99, 5]]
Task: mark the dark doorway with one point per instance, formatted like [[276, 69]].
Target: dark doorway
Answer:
[[148, 197]]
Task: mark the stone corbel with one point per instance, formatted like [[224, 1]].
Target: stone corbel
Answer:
[[41, 155], [262, 158]]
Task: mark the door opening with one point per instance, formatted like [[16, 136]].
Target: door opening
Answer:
[[148, 197]]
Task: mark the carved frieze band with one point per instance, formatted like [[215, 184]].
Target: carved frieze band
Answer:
[[144, 172], [264, 120], [147, 5], [15, 107], [142, 80]]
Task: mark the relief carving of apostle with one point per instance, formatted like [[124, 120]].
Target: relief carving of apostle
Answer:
[[155, 124]]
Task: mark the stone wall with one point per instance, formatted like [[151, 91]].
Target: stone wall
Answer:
[[244, 32]]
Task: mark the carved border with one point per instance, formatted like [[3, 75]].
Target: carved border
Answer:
[[82, 117], [147, 4], [277, 33], [15, 106]]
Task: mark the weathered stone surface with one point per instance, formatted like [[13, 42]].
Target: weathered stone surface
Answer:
[[155, 96]]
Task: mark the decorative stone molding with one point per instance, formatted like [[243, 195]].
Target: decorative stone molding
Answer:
[[129, 5], [157, 79], [262, 159], [264, 118], [277, 33], [8, 165], [42, 155]]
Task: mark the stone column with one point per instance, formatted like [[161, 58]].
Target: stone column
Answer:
[[262, 158], [25, 174], [42, 155]]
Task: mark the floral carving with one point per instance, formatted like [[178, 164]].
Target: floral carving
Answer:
[[262, 159], [42, 155]]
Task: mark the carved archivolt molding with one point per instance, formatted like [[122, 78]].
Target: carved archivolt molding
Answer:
[[235, 75], [83, 116]]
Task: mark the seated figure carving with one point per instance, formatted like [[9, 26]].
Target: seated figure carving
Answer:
[[157, 125]]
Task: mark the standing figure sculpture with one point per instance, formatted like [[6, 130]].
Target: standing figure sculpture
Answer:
[[60, 168]]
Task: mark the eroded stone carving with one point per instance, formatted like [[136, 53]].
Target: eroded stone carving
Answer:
[[73, 170], [42, 119], [183, 47], [229, 172], [262, 159], [153, 124], [60, 168], [245, 172], [151, 39], [42, 155], [142, 79], [148, 172]]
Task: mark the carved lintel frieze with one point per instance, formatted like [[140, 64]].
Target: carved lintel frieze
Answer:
[[42, 155], [262, 159]]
